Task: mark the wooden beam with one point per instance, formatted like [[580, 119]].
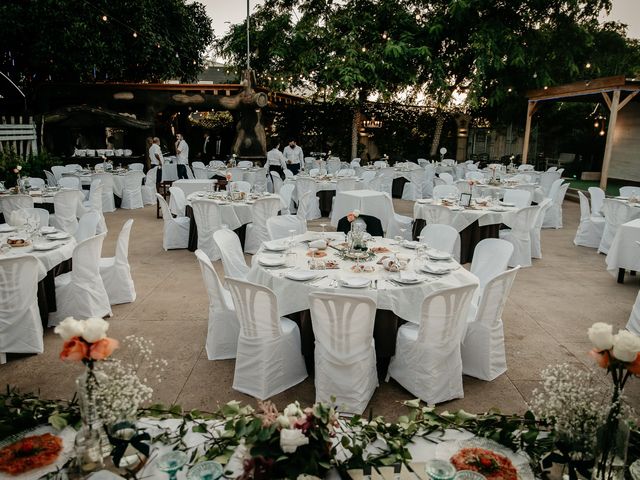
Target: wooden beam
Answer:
[[608, 147], [627, 100], [607, 99], [531, 109]]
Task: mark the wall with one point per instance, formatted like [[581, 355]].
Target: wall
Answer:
[[625, 155]]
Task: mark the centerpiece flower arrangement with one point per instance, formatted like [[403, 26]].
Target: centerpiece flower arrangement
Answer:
[[351, 216]]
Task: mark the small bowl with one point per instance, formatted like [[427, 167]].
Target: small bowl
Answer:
[[469, 475], [206, 471], [172, 461]]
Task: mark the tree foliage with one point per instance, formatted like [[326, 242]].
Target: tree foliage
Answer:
[[102, 40]]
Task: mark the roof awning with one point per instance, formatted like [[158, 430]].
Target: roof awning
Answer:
[[83, 115]]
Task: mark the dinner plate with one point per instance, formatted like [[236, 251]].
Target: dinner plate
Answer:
[[47, 230], [355, 282], [497, 209], [301, 275], [276, 245], [58, 236], [5, 227], [437, 269], [424, 200], [272, 260], [504, 204], [410, 244], [407, 280], [43, 247], [438, 255]]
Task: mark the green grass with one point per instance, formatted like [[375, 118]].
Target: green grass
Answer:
[[612, 185]]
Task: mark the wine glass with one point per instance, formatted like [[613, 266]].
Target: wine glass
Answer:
[[323, 225], [172, 462], [403, 231]]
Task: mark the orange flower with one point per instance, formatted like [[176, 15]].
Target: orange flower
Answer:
[[634, 367], [102, 348], [74, 349], [603, 358], [351, 217]]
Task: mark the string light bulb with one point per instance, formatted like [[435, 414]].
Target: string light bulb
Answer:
[[587, 66], [135, 34], [509, 89], [364, 49], [385, 35], [104, 18], [596, 124], [602, 133]]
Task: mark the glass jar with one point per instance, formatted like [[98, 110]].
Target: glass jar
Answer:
[[612, 442]]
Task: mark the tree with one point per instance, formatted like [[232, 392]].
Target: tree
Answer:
[[102, 40]]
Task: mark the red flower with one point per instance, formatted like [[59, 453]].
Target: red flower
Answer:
[[603, 358], [634, 367], [74, 349]]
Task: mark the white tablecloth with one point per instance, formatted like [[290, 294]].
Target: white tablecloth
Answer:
[[625, 251], [405, 301], [193, 185], [461, 219], [369, 202], [322, 185]]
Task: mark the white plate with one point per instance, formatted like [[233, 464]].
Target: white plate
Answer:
[[407, 280], [43, 247], [437, 269], [301, 275], [5, 227], [439, 255], [507, 204], [355, 282], [272, 260], [456, 209], [497, 209], [410, 244], [47, 230], [276, 245], [424, 200], [58, 236]]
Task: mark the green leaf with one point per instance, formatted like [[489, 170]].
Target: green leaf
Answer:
[[58, 421]]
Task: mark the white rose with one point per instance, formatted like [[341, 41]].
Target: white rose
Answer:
[[19, 167], [69, 328], [283, 421], [356, 213], [626, 346], [292, 410], [291, 439], [601, 335], [95, 329]]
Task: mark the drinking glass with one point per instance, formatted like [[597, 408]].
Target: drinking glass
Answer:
[[323, 225], [172, 462]]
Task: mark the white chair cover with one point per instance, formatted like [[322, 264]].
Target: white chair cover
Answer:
[[309, 163], [57, 171], [413, 189], [355, 162], [629, 191], [346, 172], [396, 223], [474, 175], [520, 198], [591, 228], [149, 188], [482, 349], [633, 325], [285, 194], [106, 180], [259, 179], [553, 215], [51, 178], [490, 258], [20, 323], [519, 235], [81, 293], [444, 191], [137, 167], [308, 202], [69, 182], [19, 217], [201, 173], [615, 214], [223, 327], [345, 356], [437, 214], [333, 165], [132, 190], [536, 244], [176, 230], [268, 359], [552, 169], [208, 220], [263, 209], [277, 181], [379, 164], [239, 186], [236, 173], [442, 237], [597, 196], [87, 226], [233, 262], [35, 182], [10, 203], [367, 175], [546, 181], [288, 173], [177, 201], [245, 164], [525, 167], [197, 164], [95, 204], [217, 164], [115, 271], [428, 362], [447, 177], [463, 186], [66, 204], [278, 227]]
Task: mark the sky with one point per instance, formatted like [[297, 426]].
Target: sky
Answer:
[[221, 11]]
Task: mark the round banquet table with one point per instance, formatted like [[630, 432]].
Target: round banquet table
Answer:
[[53, 262], [235, 214], [473, 224], [395, 304]]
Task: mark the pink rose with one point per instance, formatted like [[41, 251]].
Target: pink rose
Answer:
[[102, 348], [74, 349]]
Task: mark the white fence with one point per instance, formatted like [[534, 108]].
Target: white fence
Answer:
[[18, 134]]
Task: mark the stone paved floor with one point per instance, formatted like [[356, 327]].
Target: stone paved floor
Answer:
[[550, 308]]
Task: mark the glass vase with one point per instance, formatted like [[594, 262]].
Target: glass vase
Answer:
[[88, 451], [87, 385], [612, 441]]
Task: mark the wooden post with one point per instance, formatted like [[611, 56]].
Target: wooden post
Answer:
[[608, 147], [531, 108]]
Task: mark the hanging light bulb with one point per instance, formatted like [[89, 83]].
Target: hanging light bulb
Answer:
[[385, 35], [596, 124], [602, 132], [364, 49], [588, 65], [135, 34], [104, 18]]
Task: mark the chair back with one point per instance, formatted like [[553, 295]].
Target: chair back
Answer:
[[520, 198], [379, 164], [65, 204], [444, 191], [490, 258], [87, 226], [525, 167], [355, 162], [494, 297], [196, 164], [208, 218], [616, 213], [35, 182], [152, 176], [543, 206], [217, 164], [441, 237], [367, 175], [211, 281], [86, 260], [245, 164], [69, 182], [277, 182], [10, 203], [200, 173], [18, 217], [57, 171], [346, 172], [278, 227], [553, 191], [474, 175], [239, 186], [585, 211], [230, 248], [190, 175], [547, 179], [444, 315], [374, 225], [552, 169], [423, 162], [288, 173], [164, 208], [51, 178], [18, 287], [629, 191], [285, 193], [263, 209], [447, 177], [463, 186], [257, 310], [524, 220], [597, 196], [106, 180], [138, 167], [437, 214], [133, 181], [343, 324], [178, 200], [345, 184], [122, 247], [333, 165], [309, 163]]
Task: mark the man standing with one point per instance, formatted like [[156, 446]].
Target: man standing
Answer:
[[207, 148], [156, 159], [182, 154], [275, 160], [293, 154]]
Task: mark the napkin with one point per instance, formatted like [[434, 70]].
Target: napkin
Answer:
[[276, 245], [320, 244], [408, 276]]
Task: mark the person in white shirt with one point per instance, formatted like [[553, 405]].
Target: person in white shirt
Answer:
[[276, 161], [294, 156], [156, 159], [182, 154]]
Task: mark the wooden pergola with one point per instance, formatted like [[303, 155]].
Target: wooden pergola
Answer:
[[616, 92]]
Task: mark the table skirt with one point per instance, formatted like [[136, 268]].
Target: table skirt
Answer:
[[47, 291]]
